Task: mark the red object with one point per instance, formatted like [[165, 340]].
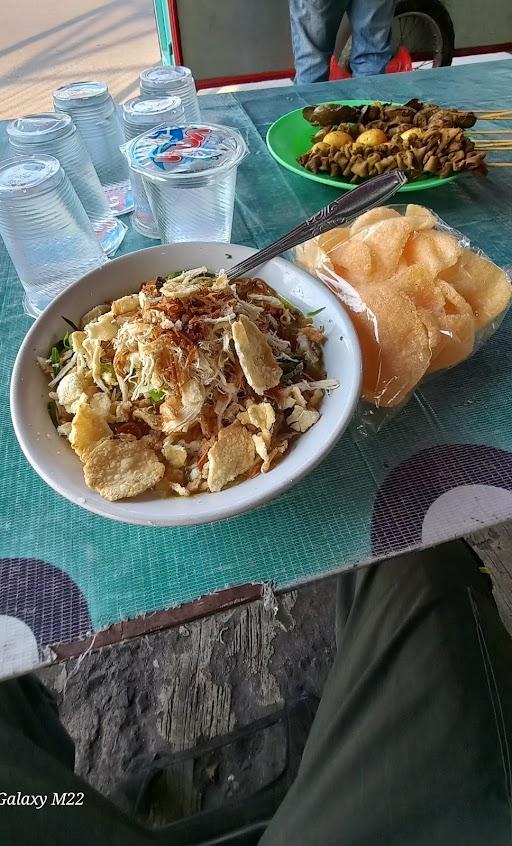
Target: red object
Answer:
[[264, 76], [400, 63], [174, 22], [337, 72]]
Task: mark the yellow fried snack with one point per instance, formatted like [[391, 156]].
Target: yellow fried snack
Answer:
[[255, 355], [483, 284], [434, 250], [87, 429], [232, 454], [419, 216], [386, 241], [457, 325], [426, 294], [118, 469], [394, 344], [371, 216]]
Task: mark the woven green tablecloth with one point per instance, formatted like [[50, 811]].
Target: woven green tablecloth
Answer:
[[443, 467]]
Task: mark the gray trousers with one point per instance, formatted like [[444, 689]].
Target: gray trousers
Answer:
[[410, 745]]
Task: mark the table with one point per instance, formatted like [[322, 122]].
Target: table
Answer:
[[71, 580]]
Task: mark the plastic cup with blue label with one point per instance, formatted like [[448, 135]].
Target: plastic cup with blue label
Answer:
[[139, 115], [189, 174]]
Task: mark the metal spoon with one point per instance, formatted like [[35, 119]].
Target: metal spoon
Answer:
[[341, 211]]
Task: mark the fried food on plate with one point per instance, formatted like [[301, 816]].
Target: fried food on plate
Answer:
[[357, 142]]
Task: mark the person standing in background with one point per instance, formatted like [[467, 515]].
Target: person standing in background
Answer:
[[315, 24]]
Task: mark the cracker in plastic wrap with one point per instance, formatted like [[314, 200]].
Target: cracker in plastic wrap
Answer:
[[373, 216], [457, 324], [385, 240], [420, 297], [433, 250], [420, 217], [394, 344], [483, 284]]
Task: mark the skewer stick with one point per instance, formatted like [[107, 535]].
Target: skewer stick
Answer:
[[489, 131], [507, 117], [493, 112], [499, 164]]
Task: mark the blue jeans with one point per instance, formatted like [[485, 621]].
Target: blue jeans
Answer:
[[315, 24]]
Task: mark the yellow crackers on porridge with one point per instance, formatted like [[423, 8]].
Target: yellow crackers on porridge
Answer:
[[232, 455], [255, 355], [186, 386], [87, 429], [122, 468]]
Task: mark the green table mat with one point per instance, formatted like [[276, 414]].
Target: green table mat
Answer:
[[442, 468]]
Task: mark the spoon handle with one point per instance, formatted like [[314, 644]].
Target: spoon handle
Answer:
[[342, 210]]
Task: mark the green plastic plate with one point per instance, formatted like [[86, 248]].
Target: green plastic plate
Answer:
[[290, 136]]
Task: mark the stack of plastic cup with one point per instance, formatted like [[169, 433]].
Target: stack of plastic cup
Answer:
[[172, 81], [140, 114], [97, 120], [45, 229], [56, 135], [189, 174]]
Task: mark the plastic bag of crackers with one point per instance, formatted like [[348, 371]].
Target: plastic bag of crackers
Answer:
[[421, 298]]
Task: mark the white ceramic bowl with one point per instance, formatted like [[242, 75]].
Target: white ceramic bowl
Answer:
[[56, 463]]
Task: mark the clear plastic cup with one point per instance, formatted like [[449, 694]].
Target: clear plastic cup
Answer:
[[55, 134], [45, 228], [139, 115], [172, 81], [189, 174], [97, 120]]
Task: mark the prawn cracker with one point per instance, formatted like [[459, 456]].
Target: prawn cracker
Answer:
[[483, 284], [87, 429], [232, 454], [255, 355], [119, 469]]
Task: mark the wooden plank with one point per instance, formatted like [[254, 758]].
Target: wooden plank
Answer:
[[494, 546], [157, 695]]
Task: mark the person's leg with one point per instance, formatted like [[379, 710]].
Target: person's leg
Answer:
[[314, 25], [411, 740], [36, 760], [371, 35]]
